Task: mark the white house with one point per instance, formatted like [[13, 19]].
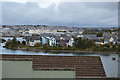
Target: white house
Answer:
[[111, 39], [68, 40], [48, 38], [32, 40], [70, 43], [52, 41]]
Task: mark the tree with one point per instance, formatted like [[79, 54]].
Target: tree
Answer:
[[103, 40], [38, 45], [23, 43], [12, 44], [83, 43], [106, 45], [2, 40], [100, 34]]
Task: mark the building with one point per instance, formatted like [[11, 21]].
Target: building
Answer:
[[48, 39], [110, 37], [97, 40], [32, 40], [52, 41], [45, 66], [69, 41]]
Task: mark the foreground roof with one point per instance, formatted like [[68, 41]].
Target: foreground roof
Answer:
[[84, 66]]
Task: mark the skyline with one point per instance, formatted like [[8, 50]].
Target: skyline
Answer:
[[74, 14]]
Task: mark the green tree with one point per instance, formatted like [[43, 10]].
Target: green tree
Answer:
[[23, 43], [12, 44], [83, 43], [103, 40], [38, 45], [107, 45], [2, 40], [46, 46], [100, 34]]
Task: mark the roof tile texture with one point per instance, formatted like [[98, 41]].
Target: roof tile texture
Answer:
[[84, 66]]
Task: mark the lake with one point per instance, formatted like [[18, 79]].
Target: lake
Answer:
[[111, 67]]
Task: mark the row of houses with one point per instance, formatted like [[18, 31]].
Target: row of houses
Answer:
[[64, 40], [50, 39]]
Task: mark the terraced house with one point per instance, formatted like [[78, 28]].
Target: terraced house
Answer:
[[44, 66]]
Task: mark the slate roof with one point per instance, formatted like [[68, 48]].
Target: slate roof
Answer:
[[32, 38], [90, 36], [47, 35], [84, 66], [67, 38], [118, 40], [108, 35], [57, 38]]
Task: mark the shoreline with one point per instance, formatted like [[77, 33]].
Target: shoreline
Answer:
[[67, 51]]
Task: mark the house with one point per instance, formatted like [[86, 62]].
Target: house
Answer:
[[32, 40], [97, 40], [76, 35], [118, 40], [101, 40], [51, 41], [58, 41], [111, 40], [69, 41], [48, 39], [44, 40], [66, 41], [110, 37], [89, 36], [45, 66]]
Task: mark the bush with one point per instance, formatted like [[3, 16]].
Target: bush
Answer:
[[12, 44], [83, 43], [107, 45], [23, 43], [2, 40], [99, 34], [38, 45]]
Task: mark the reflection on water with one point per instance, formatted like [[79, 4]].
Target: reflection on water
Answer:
[[110, 66]]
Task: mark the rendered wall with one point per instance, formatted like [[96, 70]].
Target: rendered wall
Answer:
[[119, 67], [23, 69], [0, 69]]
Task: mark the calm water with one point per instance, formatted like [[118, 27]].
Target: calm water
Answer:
[[112, 68]]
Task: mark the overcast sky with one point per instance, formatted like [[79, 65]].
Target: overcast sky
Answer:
[[61, 13]]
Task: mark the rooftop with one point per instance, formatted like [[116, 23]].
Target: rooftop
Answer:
[[84, 66]]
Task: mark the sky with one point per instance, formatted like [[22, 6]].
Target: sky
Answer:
[[58, 13]]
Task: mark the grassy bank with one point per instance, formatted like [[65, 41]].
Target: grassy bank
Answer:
[[63, 50]]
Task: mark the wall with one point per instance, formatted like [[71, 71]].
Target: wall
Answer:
[[119, 66], [23, 69], [0, 69]]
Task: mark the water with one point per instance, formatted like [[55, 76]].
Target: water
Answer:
[[110, 66]]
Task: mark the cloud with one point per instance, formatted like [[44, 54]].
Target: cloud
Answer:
[[61, 13]]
